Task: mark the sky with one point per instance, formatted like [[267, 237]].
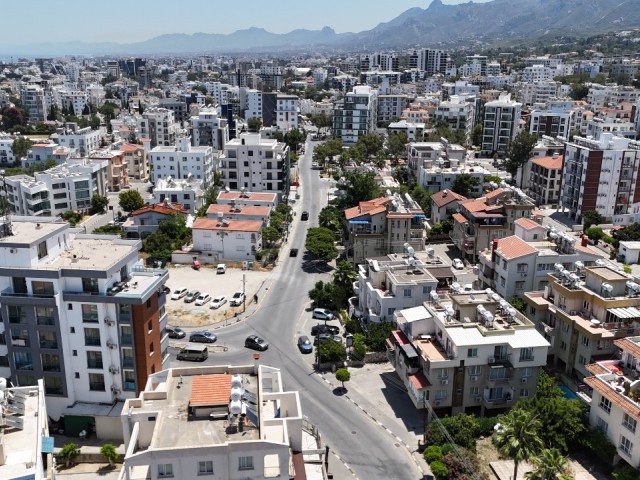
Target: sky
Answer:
[[126, 21]]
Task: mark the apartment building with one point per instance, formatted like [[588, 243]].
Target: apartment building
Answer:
[[39, 153], [356, 115], [287, 111], [519, 263], [556, 120], [459, 113], [501, 124], [246, 198], [183, 162], [391, 106], [538, 73], [32, 99], [382, 226], [484, 219], [412, 130], [208, 128], [81, 312], [600, 96], [545, 179], [600, 174], [217, 239], [117, 173], [257, 164], [466, 353], [6, 150], [430, 60], [82, 140], [582, 312], [459, 87], [136, 160], [618, 127], [158, 125], [250, 426], [540, 92], [189, 193]]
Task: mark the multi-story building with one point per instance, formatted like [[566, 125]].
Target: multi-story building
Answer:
[[413, 130], [209, 129], [468, 352], [39, 153], [137, 160], [287, 111], [246, 198], [382, 226], [602, 95], [6, 150], [582, 311], [501, 124], [540, 92], [520, 263], [545, 178], [600, 174], [430, 60], [239, 211], [183, 162], [444, 204], [391, 106], [82, 140], [81, 312], [356, 115], [217, 239], [256, 164], [249, 426], [117, 173], [538, 73], [459, 113], [189, 193], [145, 221], [159, 125], [556, 120], [32, 99], [459, 87], [620, 128]]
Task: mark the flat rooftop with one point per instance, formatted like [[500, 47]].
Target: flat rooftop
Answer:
[[26, 233], [94, 253], [607, 274]]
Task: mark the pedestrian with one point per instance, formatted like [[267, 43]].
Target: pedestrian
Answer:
[[255, 298]]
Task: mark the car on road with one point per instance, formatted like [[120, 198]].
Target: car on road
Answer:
[[218, 301], [221, 268], [255, 342], [304, 216], [457, 264], [322, 328], [314, 165], [322, 314], [304, 344], [191, 296], [202, 299], [203, 337], [175, 332], [179, 293], [237, 299], [194, 353], [293, 252]]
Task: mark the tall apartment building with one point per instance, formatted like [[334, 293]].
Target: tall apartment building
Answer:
[[137, 159], [356, 115], [82, 140], [556, 120], [459, 87], [501, 124], [251, 103], [600, 174], [545, 179], [32, 99], [430, 60], [182, 162], [287, 111], [540, 92], [466, 352], [6, 150], [159, 125], [81, 312], [538, 73], [256, 164], [208, 128], [391, 106], [602, 95], [459, 113]]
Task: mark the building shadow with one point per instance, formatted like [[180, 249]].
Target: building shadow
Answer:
[[397, 398]]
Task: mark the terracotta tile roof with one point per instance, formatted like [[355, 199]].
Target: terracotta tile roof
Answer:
[[617, 398], [262, 196], [370, 207], [210, 390], [586, 249], [549, 162], [474, 205], [527, 223], [596, 369], [628, 345], [130, 147], [163, 207], [494, 193], [445, 197], [419, 381], [514, 247], [458, 217], [232, 225], [261, 210]]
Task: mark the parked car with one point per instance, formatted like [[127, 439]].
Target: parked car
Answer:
[[237, 299], [175, 332], [457, 264], [191, 296], [221, 268], [203, 337], [202, 299], [293, 252], [322, 328], [194, 353], [218, 301], [256, 342], [179, 293], [304, 216], [304, 344], [322, 314]]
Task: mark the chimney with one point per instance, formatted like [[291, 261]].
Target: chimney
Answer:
[[256, 363], [444, 193]]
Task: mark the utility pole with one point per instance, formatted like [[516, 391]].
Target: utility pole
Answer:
[[244, 297]]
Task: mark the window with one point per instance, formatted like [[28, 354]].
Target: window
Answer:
[[475, 370], [96, 382], [526, 354], [474, 391], [23, 360], [472, 352], [94, 359], [89, 313], [582, 360], [629, 423], [48, 339], [45, 316], [602, 425], [625, 445], [17, 314], [90, 285], [92, 337], [42, 250], [44, 289], [585, 341], [504, 264], [205, 468], [605, 404], [50, 362], [407, 292], [245, 463], [165, 470]]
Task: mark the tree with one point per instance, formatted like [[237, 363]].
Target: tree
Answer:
[[332, 218], [68, 453], [476, 135], [321, 121], [293, 138], [359, 187], [171, 235], [439, 469], [330, 351], [377, 335], [130, 200], [343, 375], [594, 233], [98, 204], [519, 152], [254, 124], [54, 112], [464, 184], [591, 217], [550, 464], [109, 452], [462, 428], [343, 278], [397, 145], [579, 91], [110, 230], [271, 235], [13, 117], [20, 147], [462, 464], [320, 243], [322, 295], [517, 438], [432, 453], [519, 304]]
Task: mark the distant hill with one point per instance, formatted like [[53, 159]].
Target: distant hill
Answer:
[[439, 24]]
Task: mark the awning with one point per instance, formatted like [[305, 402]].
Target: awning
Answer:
[[399, 337], [409, 351], [419, 381], [627, 312], [359, 221], [47, 444], [419, 215]]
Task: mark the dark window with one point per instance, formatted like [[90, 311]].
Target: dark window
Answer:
[[42, 250]]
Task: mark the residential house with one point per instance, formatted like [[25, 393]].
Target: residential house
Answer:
[[216, 239], [239, 211], [188, 193], [145, 221], [444, 204]]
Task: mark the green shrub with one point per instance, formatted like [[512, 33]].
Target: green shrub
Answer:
[[486, 425], [433, 453], [439, 469], [626, 472], [359, 346], [352, 325], [447, 448], [598, 445]]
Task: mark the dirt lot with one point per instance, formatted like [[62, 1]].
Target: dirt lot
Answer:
[[207, 281], [487, 453]]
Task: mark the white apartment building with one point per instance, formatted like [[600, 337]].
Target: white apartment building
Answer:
[[217, 239], [251, 100], [430, 60], [459, 87], [188, 193], [82, 140], [208, 128], [413, 130], [68, 186], [39, 153], [246, 198], [537, 73], [545, 179], [466, 352], [391, 106], [540, 92], [287, 111], [81, 312], [556, 120], [459, 112], [32, 99], [597, 126], [249, 427], [356, 115], [600, 96], [159, 125], [6, 151], [256, 164], [182, 162], [501, 124]]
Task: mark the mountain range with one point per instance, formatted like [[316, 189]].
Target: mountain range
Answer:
[[437, 25]]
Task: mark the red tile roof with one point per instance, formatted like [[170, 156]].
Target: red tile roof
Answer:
[[494, 193], [458, 217], [527, 223], [370, 207], [514, 247], [261, 196], [419, 381], [130, 147], [210, 390], [549, 162], [260, 210], [163, 207], [232, 225], [474, 205], [445, 197], [628, 345]]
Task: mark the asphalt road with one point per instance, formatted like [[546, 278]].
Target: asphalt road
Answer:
[[283, 314]]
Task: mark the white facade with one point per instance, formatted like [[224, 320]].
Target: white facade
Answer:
[[501, 124], [253, 104], [32, 98], [226, 239], [82, 140], [159, 125], [6, 152], [356, 115], [538, 73], [182, 162], [459, 112], [287, 110], [209, 129], [188, 193]]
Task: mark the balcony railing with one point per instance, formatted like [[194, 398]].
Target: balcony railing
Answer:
[[94, 364], [127, 362]]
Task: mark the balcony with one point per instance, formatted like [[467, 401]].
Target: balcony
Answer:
[[356, 287], [504, 380], [127, 362], [493, 402], [503, 359], [97, 364]]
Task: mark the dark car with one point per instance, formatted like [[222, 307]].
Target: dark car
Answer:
[[322, 337], [175, 332], [304, 216], [321, 328], [256, 342], [203, 337], [293, 252], [304, 344], [191, 296]]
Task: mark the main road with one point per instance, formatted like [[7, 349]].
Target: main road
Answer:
[[283, 314]]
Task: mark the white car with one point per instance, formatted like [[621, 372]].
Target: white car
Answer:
[[179, 293], [237, 299], [457, 264], [202, 299], [218, 301]]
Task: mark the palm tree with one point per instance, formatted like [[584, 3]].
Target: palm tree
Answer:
[[517, 437], [550, 465]]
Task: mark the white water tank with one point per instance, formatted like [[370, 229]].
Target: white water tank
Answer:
[[235, 407], [236, 381], [236, 394]]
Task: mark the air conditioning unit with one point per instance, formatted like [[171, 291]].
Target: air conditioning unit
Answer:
[[573, 312], [474, 378], [13, 250], [111, 345], [436, 403], [524, 380], [113, 369], [492, 360], [445, 382], [115, 390], [109, 322]]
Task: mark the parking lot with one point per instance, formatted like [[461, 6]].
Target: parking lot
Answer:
[[207, 281]]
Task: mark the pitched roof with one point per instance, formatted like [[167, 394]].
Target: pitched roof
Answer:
[[527, 223], [474, 205], [514, 247], [165, 208], [458, 217], [231, 225], [445, 197], [210, 390], [494, 193], [369, 207], [552, 163], [259, 210]]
